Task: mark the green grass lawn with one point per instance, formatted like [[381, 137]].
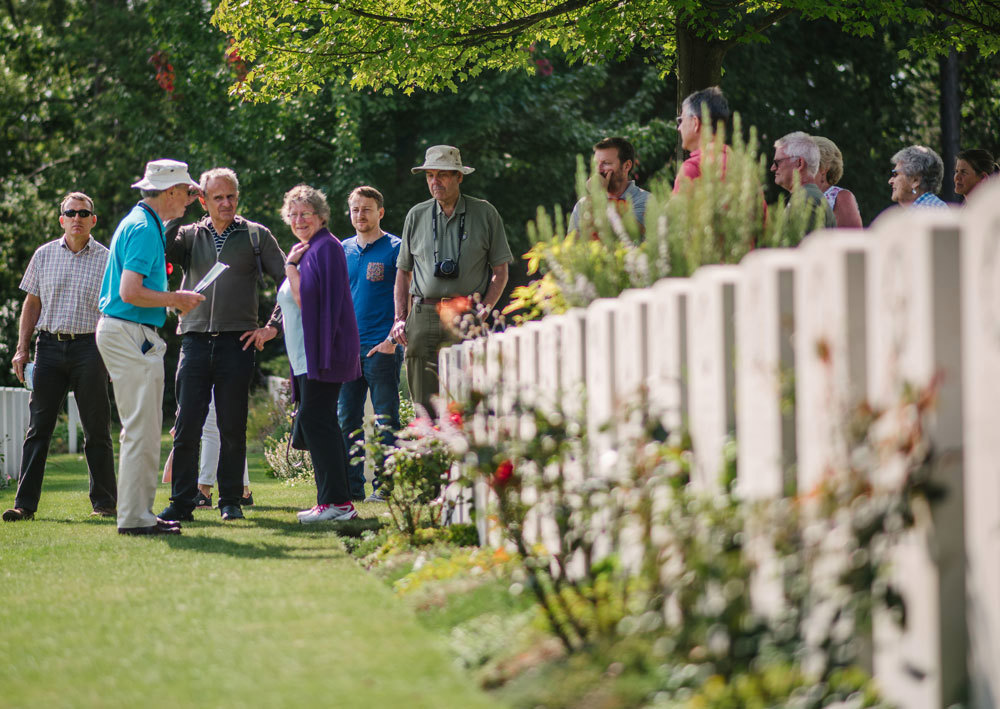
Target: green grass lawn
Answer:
[[261, 612]]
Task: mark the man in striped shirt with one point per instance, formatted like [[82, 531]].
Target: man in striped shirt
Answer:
[[62, 283]]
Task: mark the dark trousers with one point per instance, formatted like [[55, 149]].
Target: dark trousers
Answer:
[[380, 374], [211, 362], [318, 429], [71, 365]]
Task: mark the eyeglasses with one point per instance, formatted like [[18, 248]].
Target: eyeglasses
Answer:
[[84, 213], [292, 216], [777, 161], [679, 119], [893, 173]]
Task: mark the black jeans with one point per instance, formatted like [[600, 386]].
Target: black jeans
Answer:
[[71, 365], [316, 425], [211, 362]]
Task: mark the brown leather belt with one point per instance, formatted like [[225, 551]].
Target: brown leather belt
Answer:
[[420, 300]]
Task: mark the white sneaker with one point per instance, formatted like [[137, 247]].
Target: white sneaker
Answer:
[[302, 513], [329, 513]]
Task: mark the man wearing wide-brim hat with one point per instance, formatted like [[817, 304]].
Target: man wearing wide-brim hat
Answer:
[[453, 246], [133, 302]]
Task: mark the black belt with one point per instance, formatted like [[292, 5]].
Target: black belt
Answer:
[[234, 333], [64, 336]]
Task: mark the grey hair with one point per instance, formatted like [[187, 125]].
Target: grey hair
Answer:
[[920, 161], [223, 172], [150, 194], [800, 145], [311, 196], [76, 195]]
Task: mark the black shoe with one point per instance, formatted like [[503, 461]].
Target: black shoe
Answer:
[[101, 511], [231, 512], [157, 528], [167, 523], [201, 502], [175, 514], [247, 501]]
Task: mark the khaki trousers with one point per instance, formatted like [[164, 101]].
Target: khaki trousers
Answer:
[[137, 378], [425, 336]]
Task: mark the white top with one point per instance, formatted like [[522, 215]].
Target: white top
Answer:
[[295, 342]]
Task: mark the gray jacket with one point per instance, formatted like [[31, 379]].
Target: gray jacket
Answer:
[[231, 301]]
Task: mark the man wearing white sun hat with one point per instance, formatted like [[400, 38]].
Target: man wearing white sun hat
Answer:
[[453, 246], [133, 302]]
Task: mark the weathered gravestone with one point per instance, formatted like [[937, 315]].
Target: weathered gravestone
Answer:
[[830, 349], [914, 335], [981, 417], [712, 380]]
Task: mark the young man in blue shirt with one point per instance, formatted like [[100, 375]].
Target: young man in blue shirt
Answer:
[[371, 267]]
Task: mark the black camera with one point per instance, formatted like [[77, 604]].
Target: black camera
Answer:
[[446, 269]]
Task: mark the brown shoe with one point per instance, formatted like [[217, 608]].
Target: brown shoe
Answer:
[[100, 511], [16, 514]]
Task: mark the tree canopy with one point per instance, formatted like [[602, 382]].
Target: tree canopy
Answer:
[[297, 47]]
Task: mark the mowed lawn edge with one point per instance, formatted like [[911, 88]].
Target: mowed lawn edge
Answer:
[[261, 612]]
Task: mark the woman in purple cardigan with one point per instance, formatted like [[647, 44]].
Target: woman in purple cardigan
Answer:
[[321, 337]]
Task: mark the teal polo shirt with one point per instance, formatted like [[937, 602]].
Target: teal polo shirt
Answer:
[[138, 245]]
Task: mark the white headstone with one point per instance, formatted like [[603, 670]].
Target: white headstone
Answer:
[[712, 380], [549, 364], [527, 356], [573, 357], [602, 410], [632, 335], [830, 348], [668, 351], [914, 335], [765, 367], [981, 416]]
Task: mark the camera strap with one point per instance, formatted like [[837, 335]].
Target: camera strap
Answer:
[[434, 228]]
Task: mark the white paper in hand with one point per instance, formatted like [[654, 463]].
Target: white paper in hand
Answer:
[[210, 277]]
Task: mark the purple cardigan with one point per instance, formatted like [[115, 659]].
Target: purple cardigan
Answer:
[[333, 347]]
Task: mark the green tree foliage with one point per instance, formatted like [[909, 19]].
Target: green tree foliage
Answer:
[[405, 45]]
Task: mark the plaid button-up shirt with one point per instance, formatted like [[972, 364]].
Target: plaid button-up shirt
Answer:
[[68, 285]]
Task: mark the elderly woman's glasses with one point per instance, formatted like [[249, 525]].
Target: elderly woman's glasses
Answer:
[[300, 215], [893, 173]]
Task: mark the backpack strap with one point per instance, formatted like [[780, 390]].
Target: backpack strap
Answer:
[[254, 228]]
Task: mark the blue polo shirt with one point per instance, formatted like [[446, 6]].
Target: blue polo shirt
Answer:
[[138, 245], [372, 273]]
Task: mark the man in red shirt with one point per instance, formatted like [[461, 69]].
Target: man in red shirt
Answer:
[[691, 128]]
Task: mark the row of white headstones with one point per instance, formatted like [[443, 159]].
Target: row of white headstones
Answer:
[[852, 316]]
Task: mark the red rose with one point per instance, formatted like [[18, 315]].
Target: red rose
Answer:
[[503, 474]]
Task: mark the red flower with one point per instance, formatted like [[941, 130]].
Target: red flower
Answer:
[[503, 474], [456, 419]]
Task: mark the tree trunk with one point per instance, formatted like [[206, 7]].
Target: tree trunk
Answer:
[[950, 129], [699, 65]]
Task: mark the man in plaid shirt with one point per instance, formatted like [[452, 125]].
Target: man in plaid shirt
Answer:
[[62, 283]]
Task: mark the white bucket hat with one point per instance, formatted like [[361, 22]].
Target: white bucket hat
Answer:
[[164, 174], [443, 157]]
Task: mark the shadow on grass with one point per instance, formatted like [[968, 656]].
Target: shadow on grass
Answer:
[[263, 550], [350, 528]]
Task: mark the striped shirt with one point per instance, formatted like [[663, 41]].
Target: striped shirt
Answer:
[[220, 239], [68, 285]]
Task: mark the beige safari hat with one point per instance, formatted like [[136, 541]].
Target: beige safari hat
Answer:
[[164, 174], [443, 157]]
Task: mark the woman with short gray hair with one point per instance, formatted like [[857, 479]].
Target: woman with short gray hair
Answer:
[[916, 177]]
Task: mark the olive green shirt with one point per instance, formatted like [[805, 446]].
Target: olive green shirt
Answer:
[[484, 246]]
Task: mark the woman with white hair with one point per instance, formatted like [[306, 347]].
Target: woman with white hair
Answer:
[[916, 177], [831, 169]]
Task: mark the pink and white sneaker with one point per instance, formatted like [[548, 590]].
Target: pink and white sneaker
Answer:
[[329, 513]]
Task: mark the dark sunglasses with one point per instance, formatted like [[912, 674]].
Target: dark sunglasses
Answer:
[[78, 213]]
